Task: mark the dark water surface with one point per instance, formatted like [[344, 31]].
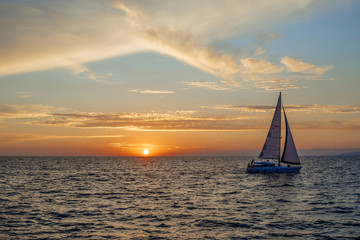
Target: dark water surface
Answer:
[[176, 198]]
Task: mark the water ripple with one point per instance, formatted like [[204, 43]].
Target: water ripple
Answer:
[[176, 198]]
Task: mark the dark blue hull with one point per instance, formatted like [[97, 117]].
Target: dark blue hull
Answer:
[[273, 169]]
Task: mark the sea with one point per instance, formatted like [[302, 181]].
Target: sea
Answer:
[[176, 198]]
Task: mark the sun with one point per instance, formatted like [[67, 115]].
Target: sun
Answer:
[[146, 152]]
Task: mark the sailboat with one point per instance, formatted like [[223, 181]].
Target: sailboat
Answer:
[[272, 146]]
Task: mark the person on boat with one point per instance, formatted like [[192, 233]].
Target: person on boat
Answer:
[[251, 164]]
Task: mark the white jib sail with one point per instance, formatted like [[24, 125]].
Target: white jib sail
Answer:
[[290, 154], [271, 148]]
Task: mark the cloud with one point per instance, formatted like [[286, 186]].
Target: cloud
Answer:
[[186, 48], [177, 120], [295, 65], [259, 66], [242, 108], [208, 85], [332, 124], [266, 75], [261, 40], [185, 122], [41, 35], [260, 51], [16, 138], [318, 71], [325, 108], [314, 108], [132, 146], [27, 110], [272, 82], [179, 43], [44, 35], [145, 91], [76, 35], [170, 121], [23, 94]]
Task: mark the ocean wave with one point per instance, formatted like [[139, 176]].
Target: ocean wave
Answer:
[[175, 198]]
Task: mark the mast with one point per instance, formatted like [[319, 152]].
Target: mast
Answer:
[[280, 100]]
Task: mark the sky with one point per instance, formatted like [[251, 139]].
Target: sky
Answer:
[[116, 77]]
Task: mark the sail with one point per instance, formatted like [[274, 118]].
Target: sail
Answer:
[[290, 154], [271, 148]]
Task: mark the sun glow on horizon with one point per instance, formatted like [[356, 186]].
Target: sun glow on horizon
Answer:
[[146, 152]]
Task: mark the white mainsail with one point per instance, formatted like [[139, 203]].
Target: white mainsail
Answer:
[[271, 148], [290, 154]]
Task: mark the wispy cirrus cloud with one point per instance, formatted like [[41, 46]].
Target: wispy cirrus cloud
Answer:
[[325, 108], [311, 108], [148, 91], [259, 66], [272, 82], [295, 65], [177, 42], [209, 85], [331, 124], [133, 146], [16, 138], [23, 94], [28, 110]]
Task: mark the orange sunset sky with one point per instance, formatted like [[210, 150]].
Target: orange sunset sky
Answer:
[[177, 77]]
